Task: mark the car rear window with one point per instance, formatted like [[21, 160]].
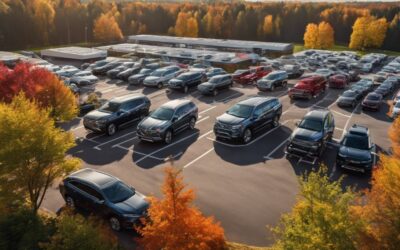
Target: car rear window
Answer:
[[354, 141]]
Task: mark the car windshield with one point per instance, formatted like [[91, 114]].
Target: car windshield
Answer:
[[157, 73], [348, 94], [272, 76], [145, 71], [355, 141], [214, 80], [184, 77], [118, 192], [110, 107], [162, 114], [373, 97], [311, 124], [240, 110]]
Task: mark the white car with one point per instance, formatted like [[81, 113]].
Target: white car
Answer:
[[83, 78], [160, 77]]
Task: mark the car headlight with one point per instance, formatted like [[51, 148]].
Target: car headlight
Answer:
[[131, 216], [101, 122], [236, 127]]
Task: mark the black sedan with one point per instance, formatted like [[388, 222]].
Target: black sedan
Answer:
[[372, 101], [349, 98]]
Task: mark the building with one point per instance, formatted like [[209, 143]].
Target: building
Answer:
[[261, 48], [10, 58], [227, 60], [73, 55]]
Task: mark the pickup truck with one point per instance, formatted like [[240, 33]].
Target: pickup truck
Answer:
[[252, 75], [308, 87]]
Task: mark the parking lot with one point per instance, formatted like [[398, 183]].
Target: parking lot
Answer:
[[246, 187]]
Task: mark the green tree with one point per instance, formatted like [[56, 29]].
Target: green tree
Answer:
[[32, 151], [320, 219], [76, 232]]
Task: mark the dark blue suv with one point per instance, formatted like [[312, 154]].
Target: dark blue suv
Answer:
[[106, 196], [248, 117]]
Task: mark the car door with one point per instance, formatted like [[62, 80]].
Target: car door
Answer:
[[179, 122], [95, 201], [124, 113], [136, 107], [258, 118], [77, 194]]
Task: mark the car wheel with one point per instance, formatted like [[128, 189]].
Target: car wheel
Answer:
[[247, 136], [192, 123], [185, 89], [115, 224], [215, 92], [275, 122], [168, 137], [272, 87], [111, 129], [160, 85], [70, 202]]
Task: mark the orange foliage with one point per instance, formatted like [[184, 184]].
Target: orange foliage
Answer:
[[106, 29], [176, 224], [394, 135]]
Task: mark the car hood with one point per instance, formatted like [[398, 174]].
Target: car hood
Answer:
[[355, 154], [152, 78], [301, 85], [206, 85], [266, 82], [230, 119], [306, 135], [151, 123], [346, 99], [97, 114], [138, 76], [175, 81], [136, 204]]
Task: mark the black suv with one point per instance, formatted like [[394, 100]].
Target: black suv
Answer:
[[116, 113], [187, 80], [106, 196], [168, 120], [356, 151], [102, 70], [311, 135], [215, 84], [248, 117]]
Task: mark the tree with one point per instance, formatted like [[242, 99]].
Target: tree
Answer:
[[326, 38], [44, 16], [32, 150], [76, 232], [175, 224], [320, 219], [394, 136], [268, 25], [368, 32], [186, 25], [379, 210], [106, 29], [311, 36], [40, 85]]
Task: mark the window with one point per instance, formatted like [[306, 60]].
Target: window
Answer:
[[87, 190], [181, 111], [259, 110]]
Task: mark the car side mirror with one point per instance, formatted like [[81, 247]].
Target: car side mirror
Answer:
[[175, 118], [100, 202], [120, 112]]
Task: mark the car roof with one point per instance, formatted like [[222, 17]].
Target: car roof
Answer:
[[358, 130], [219, 76], [255, 101], [176, 103], [318, 114], [94, 177], [127, 98]]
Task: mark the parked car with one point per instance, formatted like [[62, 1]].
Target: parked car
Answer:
[[102, 70], [253, 75], [215, 84], [349, 98], [113, 73], [106, 196], [116, 113], [396, 97], [324, 72], [272, 80], [138, 78], [356, 151], [83, 78], [380, 76], [367, 67], [383, 90], [124, 75], [67, 71], [187, 80], [308, 87], [354, 76], [396, 110], [293, 71], [214, 72], [168, 120], [161, 76], [366, 83], [310, 137], [246, 118], [372, 101], [339, 81]]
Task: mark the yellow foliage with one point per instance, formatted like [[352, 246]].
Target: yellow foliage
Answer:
[[311, 36], [368, 32], [268, 25], [106, 29], [186, 25], [319, 36]]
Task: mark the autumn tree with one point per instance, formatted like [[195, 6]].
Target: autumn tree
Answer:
[[320, 219], [32, 150], [368, 32], [319, 36], [394, 136], [311, 36], [186, 25], [106, 29], [268, 25], [41, 85], [174, 223], [44, 14], [379, 210]]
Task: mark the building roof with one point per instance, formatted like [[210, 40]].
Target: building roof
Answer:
[[75, 53], [182, 53], [9, 57], [210, 42]]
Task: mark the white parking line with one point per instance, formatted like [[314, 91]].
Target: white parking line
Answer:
[[340, 129], [198, 158], [275, 149], [76, 128], [116, 145], [212, 107], [348, 121], [253, 141], [107, 142], [205, 118], [107, 90], [336, 112]]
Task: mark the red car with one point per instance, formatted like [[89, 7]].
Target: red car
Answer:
[[338, 81], [252, 75], [308, 87]]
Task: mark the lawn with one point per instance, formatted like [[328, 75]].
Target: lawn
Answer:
[[237, 246], [300, 47]]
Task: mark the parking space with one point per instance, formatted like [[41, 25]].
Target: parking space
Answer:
[[245, 186]]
